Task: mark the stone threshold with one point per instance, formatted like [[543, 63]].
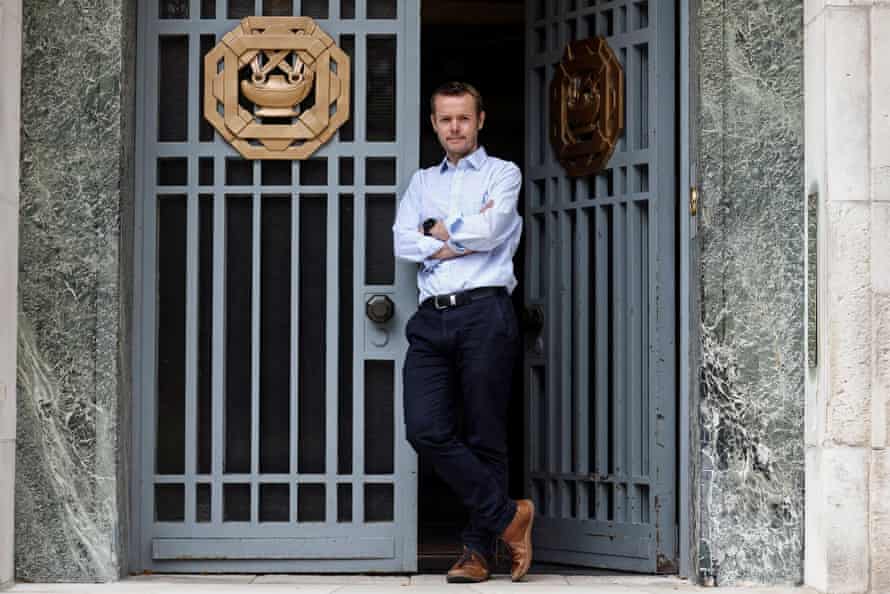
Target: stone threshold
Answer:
[[345, 584]]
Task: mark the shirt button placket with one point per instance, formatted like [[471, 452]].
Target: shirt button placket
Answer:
[[455, 191]]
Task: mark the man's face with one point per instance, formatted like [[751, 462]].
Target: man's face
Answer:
[[457, 124]]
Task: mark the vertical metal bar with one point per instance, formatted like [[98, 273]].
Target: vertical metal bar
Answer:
[[564, 280], [359, 128], [645, 342], [634, 355], [632, 98], [547, 157], [191, 351], [687, 295], [191, 282], [582, 305], [662, 95], [358, 377], [619, 353], [409, 133], [647, 110], [294, 348], [142, 339], [603, 254], [533, 110], [219, 304], [194, 86], [149, 445], [255, 354], [564, 377], [359, 110], [554, 401], [332, 331]]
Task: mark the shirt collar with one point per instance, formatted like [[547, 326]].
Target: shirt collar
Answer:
[[475, 160]]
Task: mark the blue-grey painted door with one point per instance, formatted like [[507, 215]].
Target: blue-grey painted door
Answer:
[[268, 432], [600, 374]]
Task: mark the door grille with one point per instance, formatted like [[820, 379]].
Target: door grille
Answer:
[[600, 376], [269, 427]]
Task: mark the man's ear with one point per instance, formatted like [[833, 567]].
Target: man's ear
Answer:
[[481, 120], [433, 120]]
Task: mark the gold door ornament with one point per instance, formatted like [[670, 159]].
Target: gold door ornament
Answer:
[[586, 106], [276, 87]]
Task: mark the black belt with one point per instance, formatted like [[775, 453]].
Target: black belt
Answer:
[[461, 297]]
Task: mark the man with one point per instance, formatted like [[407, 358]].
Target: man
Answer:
[[458, 221]]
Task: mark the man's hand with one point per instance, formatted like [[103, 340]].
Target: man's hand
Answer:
[[445, 253], [440, 232]]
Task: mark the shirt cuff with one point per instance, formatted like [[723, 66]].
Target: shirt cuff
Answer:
[[429, 245], [456, 247], [430, 264]]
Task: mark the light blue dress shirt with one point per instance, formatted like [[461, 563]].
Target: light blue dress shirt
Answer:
[[456, 195]]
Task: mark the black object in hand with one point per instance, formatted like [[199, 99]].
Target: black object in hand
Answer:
[[428, 226]]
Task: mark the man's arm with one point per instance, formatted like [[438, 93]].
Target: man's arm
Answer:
[[440, 232], [409, 242], [446, 253], [494, 224]]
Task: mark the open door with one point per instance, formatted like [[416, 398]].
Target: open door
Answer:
[[600, 370]]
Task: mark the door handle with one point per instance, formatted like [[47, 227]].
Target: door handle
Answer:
[[379, 309]]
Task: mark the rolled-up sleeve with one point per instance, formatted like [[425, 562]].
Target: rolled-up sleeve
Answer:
[[484, 231], [409, 243]]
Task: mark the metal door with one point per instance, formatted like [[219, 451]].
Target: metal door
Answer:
[[268, 432], [600, 374]]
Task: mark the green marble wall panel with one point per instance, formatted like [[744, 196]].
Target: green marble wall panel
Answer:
[[74, 290], [749, 134]]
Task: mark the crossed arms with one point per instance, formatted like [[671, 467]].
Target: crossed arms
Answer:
[[457, 235]]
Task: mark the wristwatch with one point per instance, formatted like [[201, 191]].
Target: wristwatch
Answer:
[[428, 225]]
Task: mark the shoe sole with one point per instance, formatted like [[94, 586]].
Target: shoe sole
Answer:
[[527, 540], [464, 580]]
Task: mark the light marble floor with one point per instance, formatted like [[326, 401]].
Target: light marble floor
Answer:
[[349, 584]]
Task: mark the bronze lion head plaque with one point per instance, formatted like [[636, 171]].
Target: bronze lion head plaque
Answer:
[[586, 106]]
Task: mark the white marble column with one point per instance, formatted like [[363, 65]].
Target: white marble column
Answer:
[[847, 93], [10, 94]]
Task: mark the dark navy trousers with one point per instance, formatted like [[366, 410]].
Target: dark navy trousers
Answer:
[[469, 352]]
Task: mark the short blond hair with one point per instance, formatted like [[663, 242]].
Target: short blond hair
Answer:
[[456, 89]]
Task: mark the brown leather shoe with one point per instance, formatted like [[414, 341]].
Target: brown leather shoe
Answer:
[[518, 538], [470, 568]]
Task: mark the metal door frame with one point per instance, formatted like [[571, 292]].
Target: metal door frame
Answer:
[[687, 296], [407, 27]]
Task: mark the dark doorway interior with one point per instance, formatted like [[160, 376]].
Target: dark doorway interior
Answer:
[[481, 43]]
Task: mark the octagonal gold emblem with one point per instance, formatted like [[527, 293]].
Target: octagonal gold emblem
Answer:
[[586, 106], [276, 87]]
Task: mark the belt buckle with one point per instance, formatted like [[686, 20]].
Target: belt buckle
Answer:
[[452, 298]]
